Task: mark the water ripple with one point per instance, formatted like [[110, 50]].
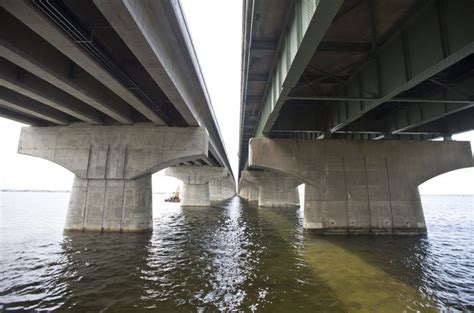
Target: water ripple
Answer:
[[232, 258]]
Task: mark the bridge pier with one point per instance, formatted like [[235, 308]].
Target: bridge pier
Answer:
[[243, 192], [196, 191], [113, 167], [110, 204], [361, 186], [249, 192], [274, 190], [221, 189]]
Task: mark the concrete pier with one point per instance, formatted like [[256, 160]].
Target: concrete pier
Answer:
[[196, 191], [254, 192], [113, 167], [110, 204], [249, 192], [221, 189], [274, 190], [361, 186]]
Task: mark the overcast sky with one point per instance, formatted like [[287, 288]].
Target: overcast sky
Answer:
[[215, 26]]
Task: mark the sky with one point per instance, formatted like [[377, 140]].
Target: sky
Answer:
[[216, 30]]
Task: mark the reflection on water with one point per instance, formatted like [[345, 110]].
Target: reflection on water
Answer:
[[231, 258]]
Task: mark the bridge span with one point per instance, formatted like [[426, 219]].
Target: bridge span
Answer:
[[113, 92], [346, 96]]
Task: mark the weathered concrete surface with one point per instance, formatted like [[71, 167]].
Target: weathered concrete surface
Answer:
[[361, 186], [250, 192], [195, 195], [113, 167], [221, 189], [110, 204], [114, 152], [244, 190], [196, 180], [274, 190]]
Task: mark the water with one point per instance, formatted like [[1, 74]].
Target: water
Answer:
[[231, 258]]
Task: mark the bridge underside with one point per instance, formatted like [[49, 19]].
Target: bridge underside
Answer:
[[115, 93], [68, 61], [367, 73], [373, 70]]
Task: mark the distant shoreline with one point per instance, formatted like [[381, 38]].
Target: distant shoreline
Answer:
[[59, 191], [170, 192], [32, 190]]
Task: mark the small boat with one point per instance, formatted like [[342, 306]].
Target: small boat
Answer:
[[174, 197]]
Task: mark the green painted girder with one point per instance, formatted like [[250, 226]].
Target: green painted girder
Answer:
[[441, 35], [306, 29], [402, 116], [411, 115], [455, 123]]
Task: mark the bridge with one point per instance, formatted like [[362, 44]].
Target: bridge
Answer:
[[113, 92], [346, 97]]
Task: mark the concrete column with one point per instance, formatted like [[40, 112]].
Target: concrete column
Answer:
[[361, 186], [274, 190], [249, 192], [254, 192], [195, 195], [113, 167], [196, 180], [221, 189], [110, 204], [243, 193]]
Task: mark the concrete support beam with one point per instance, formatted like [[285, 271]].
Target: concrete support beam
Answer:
[[196, 183], [274, 190], [361, 186], [20, 117], [41, 91], [24, 11], [113, 167], [429, 45], [156, 33], [20, 103], [150, 44], [221, 189], [36, 56]]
